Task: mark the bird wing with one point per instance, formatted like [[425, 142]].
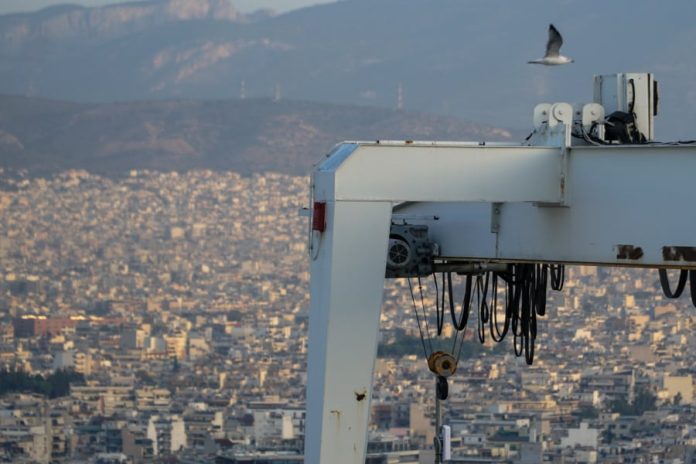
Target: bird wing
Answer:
[[553, 46]]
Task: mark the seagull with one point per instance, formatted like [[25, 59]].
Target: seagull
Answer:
[[553, 46]]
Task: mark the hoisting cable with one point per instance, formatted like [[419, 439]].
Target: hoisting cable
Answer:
[[435, 358], [420, 329], [425, 316], [461, 343], [465, 313], [664, 282], [458, 323]]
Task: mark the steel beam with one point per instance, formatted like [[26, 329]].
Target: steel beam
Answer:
[[430, 171], [347, 282], [627, 206]]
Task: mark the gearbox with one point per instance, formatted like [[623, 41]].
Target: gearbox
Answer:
[[410, 252]]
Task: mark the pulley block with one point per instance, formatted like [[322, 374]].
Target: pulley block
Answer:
[[442, 364]]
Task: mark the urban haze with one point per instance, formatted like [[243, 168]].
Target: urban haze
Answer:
[[154, 273]]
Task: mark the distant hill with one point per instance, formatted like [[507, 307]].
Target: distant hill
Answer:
[[460, 57], [246, 136]]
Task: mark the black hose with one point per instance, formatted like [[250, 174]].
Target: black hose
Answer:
[[557, 276], [542, 277], [460, 323], [439, 308], [482, 300], [526, 287], [496, 333], [664, 282]]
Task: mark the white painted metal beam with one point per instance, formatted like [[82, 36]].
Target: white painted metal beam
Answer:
[[628, 206], [347, 282], [428, 171]]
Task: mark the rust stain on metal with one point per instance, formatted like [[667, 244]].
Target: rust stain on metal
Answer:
[[337, 414], [408, 142], [631, 252], [360, 394], [679, 253]]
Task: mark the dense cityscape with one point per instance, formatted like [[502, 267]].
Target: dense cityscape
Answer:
[[173, 308]]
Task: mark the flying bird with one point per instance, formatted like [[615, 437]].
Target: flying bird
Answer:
[[553, 50]]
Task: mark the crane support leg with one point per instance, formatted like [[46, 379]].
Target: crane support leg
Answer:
[[347, 286]]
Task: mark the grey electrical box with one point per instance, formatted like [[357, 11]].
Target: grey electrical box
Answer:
[[631, 93]]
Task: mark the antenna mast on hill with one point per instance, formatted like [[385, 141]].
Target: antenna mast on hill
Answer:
[[276, 93]]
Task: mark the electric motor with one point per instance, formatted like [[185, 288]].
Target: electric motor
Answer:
[[410, 251]]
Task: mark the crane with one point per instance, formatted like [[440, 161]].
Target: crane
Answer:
[[589, 186]]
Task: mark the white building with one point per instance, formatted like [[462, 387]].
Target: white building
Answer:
[[584, 437], [72, 359], [168, 434]]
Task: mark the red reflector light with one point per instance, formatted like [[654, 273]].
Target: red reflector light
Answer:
[[319, 216]]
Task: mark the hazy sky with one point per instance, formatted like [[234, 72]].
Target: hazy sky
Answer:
[[10, 6]]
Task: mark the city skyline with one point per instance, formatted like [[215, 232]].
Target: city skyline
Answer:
[[164, 207], [180, 302]]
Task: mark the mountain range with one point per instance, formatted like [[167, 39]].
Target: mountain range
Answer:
[[457, 57], [246, 136]]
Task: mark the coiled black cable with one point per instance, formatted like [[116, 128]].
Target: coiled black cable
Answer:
[[557, 276], [439, 308], [496, 334], [482, 281], [541, 280], [664, 282], [460, 323], [525, 288], [525, 300], [527, 311]]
